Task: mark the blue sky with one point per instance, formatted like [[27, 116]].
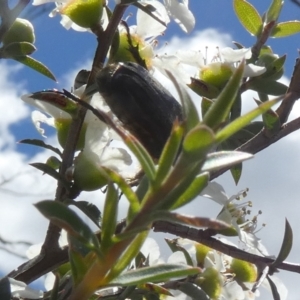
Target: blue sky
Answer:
[[272, 176]]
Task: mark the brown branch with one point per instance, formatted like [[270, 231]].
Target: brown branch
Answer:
[[202, 237]]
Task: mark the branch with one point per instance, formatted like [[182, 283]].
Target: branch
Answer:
[[202, 237]]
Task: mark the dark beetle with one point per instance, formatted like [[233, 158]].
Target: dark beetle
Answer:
[[145, 108]]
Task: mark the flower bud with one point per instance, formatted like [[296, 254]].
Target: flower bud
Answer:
[[216, 74], [211, 283], [87, 175], [62, 126], [243, 270], [123, 52], [20, 31], [85, 13], [201, 252]]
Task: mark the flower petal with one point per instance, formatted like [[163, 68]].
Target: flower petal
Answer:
[[146, 25], [21, 290], [181, 14]]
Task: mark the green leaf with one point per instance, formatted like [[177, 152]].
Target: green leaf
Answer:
[[169, 153], [127, 191], [90, 210], [110, 213], [51, 172], [35, 65], [5, 293], [42, 144], [198, 142], [159, 273], [128, 255], [286, 245], [221, 159], [182, 193], [57, 99], [248, 16], [274, 290], [142, 155], [192, 191], [65, 218], [156, 288], [273, 11], [192, 290], [274, 68], [242, 121], [189, 110], [188, 220], [203, 88], [271, 121], [14, 50], [236, 172], [267, 86], [174, 246], [220, 109], [285, 29]]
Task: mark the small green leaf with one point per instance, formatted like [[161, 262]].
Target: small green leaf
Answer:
[[273, 11], [182, 193], [236, 172], [275, 66], [64, 217], [198, 142], [174, 246], [203, 88], [169, 153], [188, 220], [221, 159], [285, 29], [42, 144], [51, 172], [267, 86], [55, 98], [14, 50], [193, 190], [192, 290], [248, 16], [189, 110], [156, 288], [242, 121], [127, 191], [220, 109], [35, 65], [127, 256], [271, 121], [286, 245], [5, 293], [142, 155], [90, 210], [158, 273], [109, 219]]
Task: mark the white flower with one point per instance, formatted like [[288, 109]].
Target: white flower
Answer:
[[20, 289], [220, 69], [94, 141], [180, 12]]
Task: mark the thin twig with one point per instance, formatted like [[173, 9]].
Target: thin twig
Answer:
[[200, 236]]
